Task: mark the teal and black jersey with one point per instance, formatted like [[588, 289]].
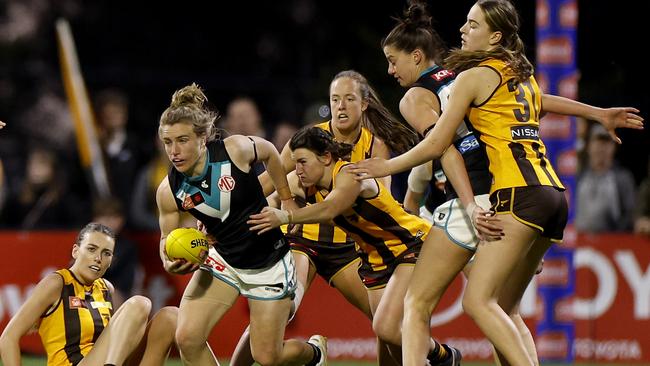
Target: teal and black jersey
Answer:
[[439, 81], [223, 197]]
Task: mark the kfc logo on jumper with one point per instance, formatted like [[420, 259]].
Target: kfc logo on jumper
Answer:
[[226, 183], [442, 74]]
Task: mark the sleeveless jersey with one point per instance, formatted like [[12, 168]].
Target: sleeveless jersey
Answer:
[[327, 233], [508, 126], [439, 81], [379, 225], [223, 197], [435, 197], [69, 330]]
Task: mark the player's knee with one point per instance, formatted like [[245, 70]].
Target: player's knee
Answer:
[[266, 357], [387, 330], [473, 304], [138, 308], [188, 342]]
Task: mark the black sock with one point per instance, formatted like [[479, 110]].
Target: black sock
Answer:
[[316, 358], [437, 354]]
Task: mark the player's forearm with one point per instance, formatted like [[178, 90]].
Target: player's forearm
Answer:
[[9, 351], [266, 183], [323, 212], [569, 107], [454, 167], [412, 202], [161, 248], [278, 176], [428, 149]]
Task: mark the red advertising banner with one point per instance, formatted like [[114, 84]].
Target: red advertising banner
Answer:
[[611, 308]]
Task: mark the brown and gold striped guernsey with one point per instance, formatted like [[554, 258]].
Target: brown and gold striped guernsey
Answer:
[[69, 329], [324, 233], [508, 126], [379, 225]]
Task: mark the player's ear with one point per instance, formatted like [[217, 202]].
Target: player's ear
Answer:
[[326, 158], [75, 251], [495, 38], [417, 56]]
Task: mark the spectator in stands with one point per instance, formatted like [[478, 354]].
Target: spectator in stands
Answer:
[[143, 209], [606, 191], [120, 147], [43, 201], [243, 117], [47, 119], [282, 134]]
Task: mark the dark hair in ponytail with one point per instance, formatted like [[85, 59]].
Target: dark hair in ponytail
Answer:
[[414, 30], [91, 228], [320, 142]]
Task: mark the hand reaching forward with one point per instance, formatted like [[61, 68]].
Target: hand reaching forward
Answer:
[[620, 117], [370, 168], [268, 219]]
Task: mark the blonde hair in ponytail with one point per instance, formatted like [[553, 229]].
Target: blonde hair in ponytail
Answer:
[[187, 106]]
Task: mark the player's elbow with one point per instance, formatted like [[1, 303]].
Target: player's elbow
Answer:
[[438, 150]]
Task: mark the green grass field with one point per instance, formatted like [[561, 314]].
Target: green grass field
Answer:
[[39, 361]]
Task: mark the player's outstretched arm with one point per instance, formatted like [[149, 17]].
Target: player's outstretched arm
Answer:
[[610, 118], [45, 295]]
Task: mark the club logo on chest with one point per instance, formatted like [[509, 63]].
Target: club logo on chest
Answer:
[[226, 183]]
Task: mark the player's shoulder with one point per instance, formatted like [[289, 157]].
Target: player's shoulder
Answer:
[[164, 196], [108, 285], [50, 286], [163, 187], [53, 279]]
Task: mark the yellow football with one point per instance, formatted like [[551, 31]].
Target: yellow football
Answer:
[[187, 243]]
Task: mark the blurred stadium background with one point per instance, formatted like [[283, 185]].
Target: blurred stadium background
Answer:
[[282, 55]]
